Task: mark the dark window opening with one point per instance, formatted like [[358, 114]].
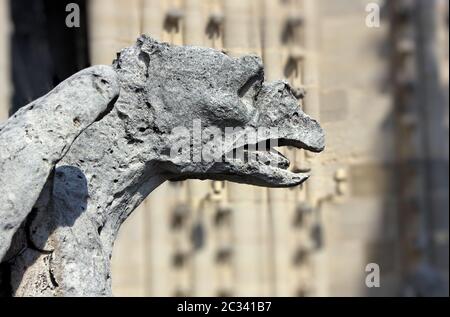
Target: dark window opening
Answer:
[[44, 51]]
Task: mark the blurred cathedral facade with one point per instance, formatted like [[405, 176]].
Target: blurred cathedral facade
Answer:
[[377, 194]]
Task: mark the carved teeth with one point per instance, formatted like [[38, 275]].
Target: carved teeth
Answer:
[[268, 157]]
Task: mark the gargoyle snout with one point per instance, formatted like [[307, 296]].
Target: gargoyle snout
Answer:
[[279, 108]]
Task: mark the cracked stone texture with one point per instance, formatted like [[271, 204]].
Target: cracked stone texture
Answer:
[[65, 245]]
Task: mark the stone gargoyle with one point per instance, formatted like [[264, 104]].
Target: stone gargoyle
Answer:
[[76, 162]]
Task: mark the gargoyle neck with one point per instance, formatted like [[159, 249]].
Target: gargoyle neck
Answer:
[[96, 186]]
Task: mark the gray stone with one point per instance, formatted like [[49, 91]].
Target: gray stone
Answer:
[[39, 134], [118, 160]]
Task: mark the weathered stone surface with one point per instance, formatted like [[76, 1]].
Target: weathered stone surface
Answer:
[[37, 136], [117, 161]]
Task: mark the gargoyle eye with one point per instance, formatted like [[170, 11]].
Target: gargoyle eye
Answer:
[[253, 83]]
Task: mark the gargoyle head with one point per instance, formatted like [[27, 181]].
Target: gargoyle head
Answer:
[[211, 116], [164, 112]]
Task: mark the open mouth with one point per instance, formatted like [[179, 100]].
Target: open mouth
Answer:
[[264, 158], [262, 152]]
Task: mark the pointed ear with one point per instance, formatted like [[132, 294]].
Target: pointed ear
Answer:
[[150, 45], [144, 44], [134, 61], [34, 139]]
